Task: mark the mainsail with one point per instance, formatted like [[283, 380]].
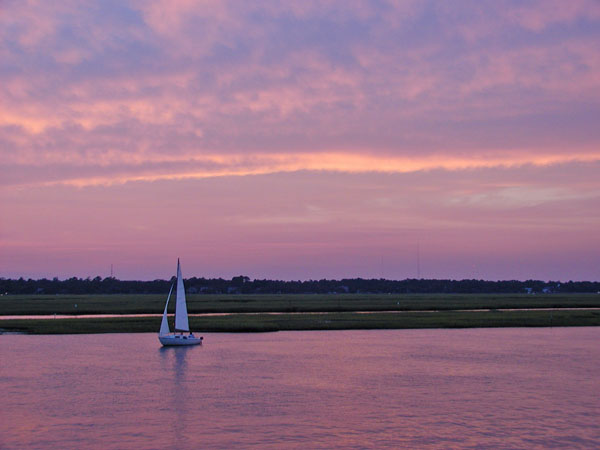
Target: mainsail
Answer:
[[181, 315]]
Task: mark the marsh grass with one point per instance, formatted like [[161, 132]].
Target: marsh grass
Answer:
[[318, 321], [152, 303]]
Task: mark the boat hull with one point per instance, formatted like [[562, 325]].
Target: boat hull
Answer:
[[179, 340]]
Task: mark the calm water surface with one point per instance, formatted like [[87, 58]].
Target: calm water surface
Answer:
[[480, 388]]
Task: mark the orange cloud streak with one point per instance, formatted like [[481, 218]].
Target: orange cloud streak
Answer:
[[241, 165]]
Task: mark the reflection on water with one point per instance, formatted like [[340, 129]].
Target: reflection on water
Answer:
[[175, 361], [508, 388]]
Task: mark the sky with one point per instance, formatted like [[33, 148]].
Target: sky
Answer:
[[300, 140]]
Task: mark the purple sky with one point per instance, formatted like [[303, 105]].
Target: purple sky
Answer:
[[300, 140]]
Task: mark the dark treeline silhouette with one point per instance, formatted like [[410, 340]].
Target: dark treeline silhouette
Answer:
[[243, 285]]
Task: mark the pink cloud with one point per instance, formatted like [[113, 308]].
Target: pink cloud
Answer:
[[537, 17]]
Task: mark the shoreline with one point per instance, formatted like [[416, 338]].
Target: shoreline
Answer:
[[266, 322], [154, 315], [42, 314]]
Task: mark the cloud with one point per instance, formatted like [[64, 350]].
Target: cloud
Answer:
[[97, 164], [224, 65], [554, 12]]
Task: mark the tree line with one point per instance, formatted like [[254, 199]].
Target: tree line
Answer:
[[244, 285]]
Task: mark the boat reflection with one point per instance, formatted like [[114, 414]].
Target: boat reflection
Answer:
[[177, 384]]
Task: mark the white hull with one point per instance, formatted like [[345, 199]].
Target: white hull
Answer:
[[178, 339]]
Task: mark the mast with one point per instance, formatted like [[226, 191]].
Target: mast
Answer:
[[181, 315]]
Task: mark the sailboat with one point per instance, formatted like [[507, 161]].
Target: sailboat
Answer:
[[181, 319]]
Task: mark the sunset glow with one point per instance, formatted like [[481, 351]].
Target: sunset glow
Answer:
[[300, 140]]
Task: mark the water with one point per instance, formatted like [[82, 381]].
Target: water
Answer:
[[123, 316], [478, 388]]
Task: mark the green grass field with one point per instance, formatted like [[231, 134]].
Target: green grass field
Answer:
[[330, 312], [317, 321], [139, 304]]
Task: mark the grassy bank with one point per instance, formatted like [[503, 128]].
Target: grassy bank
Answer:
[[140, 304], [318, 321]]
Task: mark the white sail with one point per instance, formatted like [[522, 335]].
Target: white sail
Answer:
[[177, 338], [164, 325], [181, 315]]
